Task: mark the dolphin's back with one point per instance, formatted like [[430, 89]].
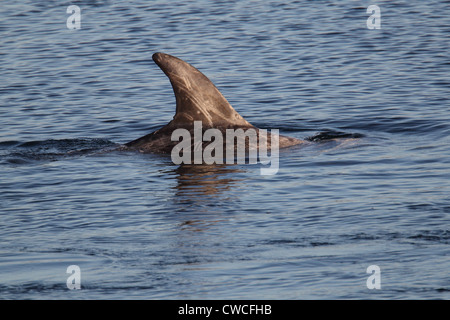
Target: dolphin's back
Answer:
[[197, 99]]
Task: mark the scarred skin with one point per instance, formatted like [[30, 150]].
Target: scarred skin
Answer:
[[197, 99]]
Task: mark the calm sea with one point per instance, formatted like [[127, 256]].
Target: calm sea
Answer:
[[371, 189]]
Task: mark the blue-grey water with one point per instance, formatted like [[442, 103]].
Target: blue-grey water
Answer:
[[372, 187]]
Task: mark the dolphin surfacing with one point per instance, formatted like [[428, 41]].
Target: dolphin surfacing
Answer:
[[197, 99]]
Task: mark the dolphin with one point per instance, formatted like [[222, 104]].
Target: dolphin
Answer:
[[197, 99]]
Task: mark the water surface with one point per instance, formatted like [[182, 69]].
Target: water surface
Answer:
[[372, 187]]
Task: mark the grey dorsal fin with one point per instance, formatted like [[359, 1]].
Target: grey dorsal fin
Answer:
[[197, 98]]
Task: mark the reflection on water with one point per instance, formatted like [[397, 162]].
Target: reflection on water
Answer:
[[196, 181], [202, 192]]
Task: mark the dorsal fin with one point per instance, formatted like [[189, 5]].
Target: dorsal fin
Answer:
[[197, 98]]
